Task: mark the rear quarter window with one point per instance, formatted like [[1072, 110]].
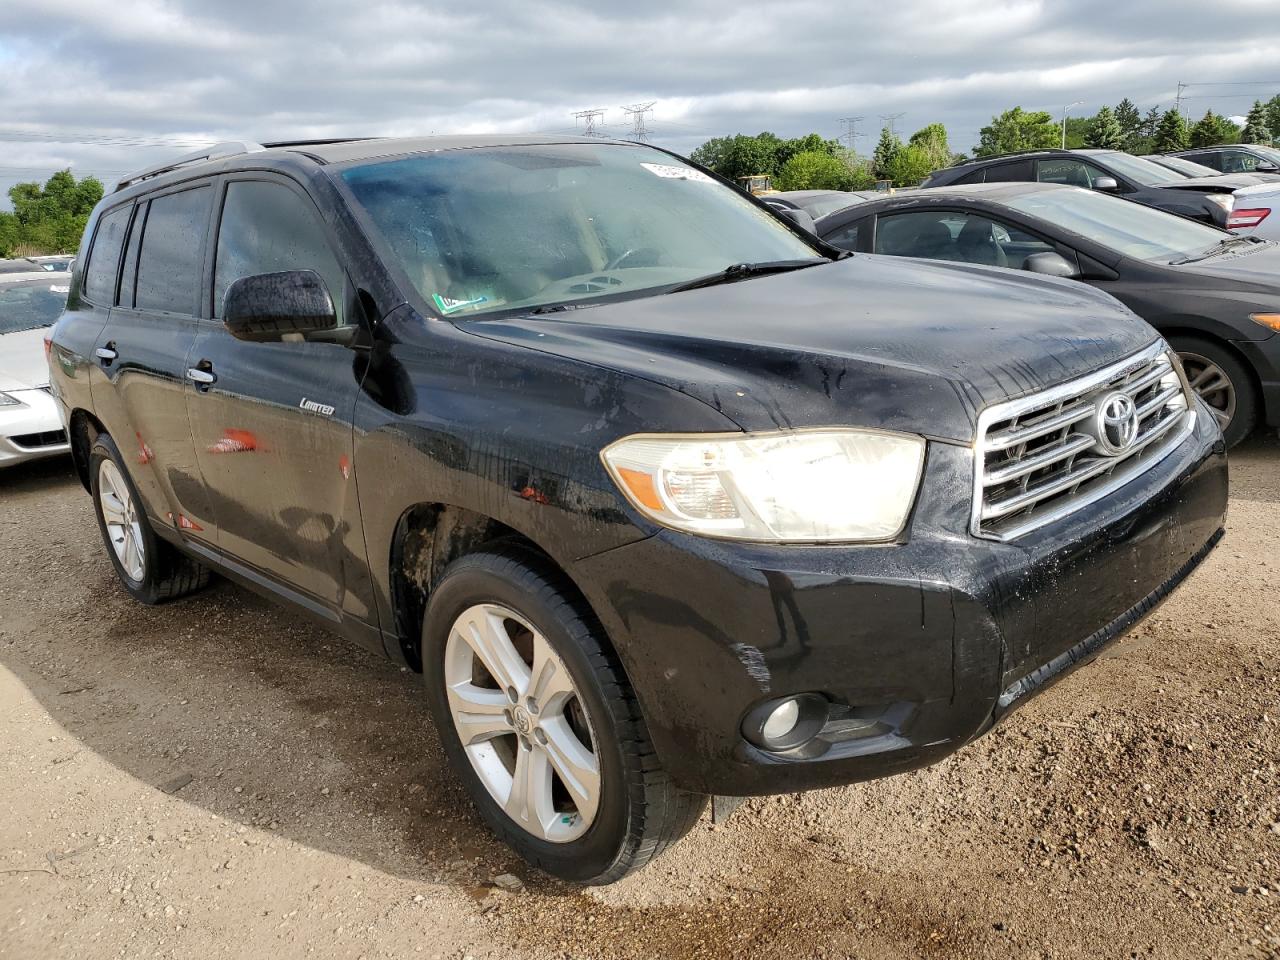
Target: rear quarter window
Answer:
[[104, 257]]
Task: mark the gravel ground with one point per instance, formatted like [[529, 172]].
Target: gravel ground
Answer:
[[219, 777]]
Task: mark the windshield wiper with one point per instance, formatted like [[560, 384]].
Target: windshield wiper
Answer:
[[1222, 246], [741, 271]]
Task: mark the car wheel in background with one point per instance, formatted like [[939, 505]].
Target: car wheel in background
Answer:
[[150, 569], [540, 722], [1222, 381]]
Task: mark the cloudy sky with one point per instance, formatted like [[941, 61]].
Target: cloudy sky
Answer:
[[106, 86]]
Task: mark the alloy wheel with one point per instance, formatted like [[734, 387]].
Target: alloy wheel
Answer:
[[120, 515], [522, 722], [1212, 385]]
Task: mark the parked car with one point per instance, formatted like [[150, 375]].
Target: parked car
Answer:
[[1215, 297], [1254, 213], [665, 497], [818, 203], [1236, 157], [30, 423], [1192, 170], [1110, 171]]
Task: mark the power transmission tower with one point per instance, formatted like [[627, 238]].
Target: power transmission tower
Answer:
[[639, 131], [1177, 102], [891, 121], [851, 132], [589, 118]]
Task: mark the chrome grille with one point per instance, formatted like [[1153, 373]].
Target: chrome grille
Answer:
[[1041, 457]]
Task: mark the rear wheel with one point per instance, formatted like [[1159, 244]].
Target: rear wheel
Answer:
[[149, 568], [1223, 382], [539, 721]]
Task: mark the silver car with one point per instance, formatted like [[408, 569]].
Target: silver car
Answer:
[[30, 425]]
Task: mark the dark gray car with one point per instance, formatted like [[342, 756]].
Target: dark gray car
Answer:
[[1215, 296]]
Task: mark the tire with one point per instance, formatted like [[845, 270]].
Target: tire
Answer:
[[157, 571], [639, 812], [1236, 404]]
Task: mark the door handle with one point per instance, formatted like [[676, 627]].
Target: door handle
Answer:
[[200, 377], [106, 354]]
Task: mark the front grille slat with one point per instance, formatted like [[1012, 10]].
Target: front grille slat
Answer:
[[1039, 458]]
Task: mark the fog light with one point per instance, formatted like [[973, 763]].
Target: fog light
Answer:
[[786, 723]]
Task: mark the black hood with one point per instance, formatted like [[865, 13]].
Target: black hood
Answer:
[[1256, 269], [870, 341]]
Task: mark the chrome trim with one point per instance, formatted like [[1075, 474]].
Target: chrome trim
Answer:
[[1126, 467]]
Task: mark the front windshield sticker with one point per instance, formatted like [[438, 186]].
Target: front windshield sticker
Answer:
[[450, 305], [670, 171]]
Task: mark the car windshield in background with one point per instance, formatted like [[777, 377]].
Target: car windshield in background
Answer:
[[506, 230], [1187, 167], [1140, 171], [1130, 228], [822, 206], [29, 304], [1271, 153]]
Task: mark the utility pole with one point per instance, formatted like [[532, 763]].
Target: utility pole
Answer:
[[851, 132], [890, 120], [1177, 101], [639, 132], [1064, 121], [589, 118]]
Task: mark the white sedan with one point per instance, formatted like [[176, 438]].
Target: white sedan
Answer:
[[1256, 211], [30, 425]]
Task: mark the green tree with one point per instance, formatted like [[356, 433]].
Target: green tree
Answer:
[[909, 166], [711, 154], [812, 143], [1212, 129], [1130, 121], [1273, 116], [862, 176], [1105, 132], [813, 170], [50, 218], [888, 148], [1017, 129], [9, 233], [1171, 133], [1150, 122], [1255, 128], [1077, 132], [933, 141]]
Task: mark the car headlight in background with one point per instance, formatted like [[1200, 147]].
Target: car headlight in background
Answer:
[[825, 485], [1224, 200], [8, 401], [1269, 320]]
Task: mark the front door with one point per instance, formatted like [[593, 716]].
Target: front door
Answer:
[[272, 421]]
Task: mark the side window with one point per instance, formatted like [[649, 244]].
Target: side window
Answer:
[[1244, 162], [978, 176], [845, 237], [1011, 171], [169, 261], [266, 228], [104, 257], [1211, 159], [129, 272], [1067, 170], [1017, 245], [944, 235]]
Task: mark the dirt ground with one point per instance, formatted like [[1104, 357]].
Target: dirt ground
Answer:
[[220, 778]]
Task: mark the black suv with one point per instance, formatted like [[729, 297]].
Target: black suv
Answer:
[[664, 497], [1207, 199]]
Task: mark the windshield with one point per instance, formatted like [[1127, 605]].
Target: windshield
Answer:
[[1270, 153], [1126, 227], [31, 303], [1142, 172], [1188, 168], [499, 230], [821, 206]]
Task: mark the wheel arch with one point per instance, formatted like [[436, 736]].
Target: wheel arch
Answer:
[[1174, 330], [83, 428]]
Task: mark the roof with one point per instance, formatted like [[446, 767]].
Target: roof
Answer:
[[990, 191], [1039, 151]]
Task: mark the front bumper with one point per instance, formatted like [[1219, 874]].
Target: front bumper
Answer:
[[922, 645], [31, 430]]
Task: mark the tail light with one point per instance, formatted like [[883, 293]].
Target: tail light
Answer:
[[1247, 218]]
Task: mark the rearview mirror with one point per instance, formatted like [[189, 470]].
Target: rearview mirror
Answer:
[[1050, 264], [271, 306], [800, 218], [1106, 184]]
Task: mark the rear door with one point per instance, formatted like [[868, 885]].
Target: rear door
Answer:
[[141, 353], [272, 422]]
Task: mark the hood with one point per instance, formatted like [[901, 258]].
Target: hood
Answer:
[[22, 360], [1256, 269], [888, 342]]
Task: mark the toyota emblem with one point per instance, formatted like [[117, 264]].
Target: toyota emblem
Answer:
[[1116, 424]]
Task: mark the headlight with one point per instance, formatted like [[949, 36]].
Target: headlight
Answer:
[[1224, 200], [8, 401], [798, 485], [1269, 320]]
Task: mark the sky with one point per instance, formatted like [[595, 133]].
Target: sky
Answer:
[[109, 86]]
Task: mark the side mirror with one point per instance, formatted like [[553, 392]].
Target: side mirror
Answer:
[[1106, 184], [1265, 167], [270, 306], [800, 218], [1051, 265]]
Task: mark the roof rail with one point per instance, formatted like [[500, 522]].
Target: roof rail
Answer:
[[227, 148], [315, 141]]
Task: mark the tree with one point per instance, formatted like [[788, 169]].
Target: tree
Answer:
[[909, 166], [1077, 132], [1255, 128], [814, 170], [1171, 133], [1273, 116], [812, 143], [933, 141], [1212, 129], [765, 153], [49, 218], [1105, 132], [1018, 130], [1150, 122], [1130, 121], [888, 148]]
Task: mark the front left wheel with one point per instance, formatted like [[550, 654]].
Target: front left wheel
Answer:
[[539, 721]]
